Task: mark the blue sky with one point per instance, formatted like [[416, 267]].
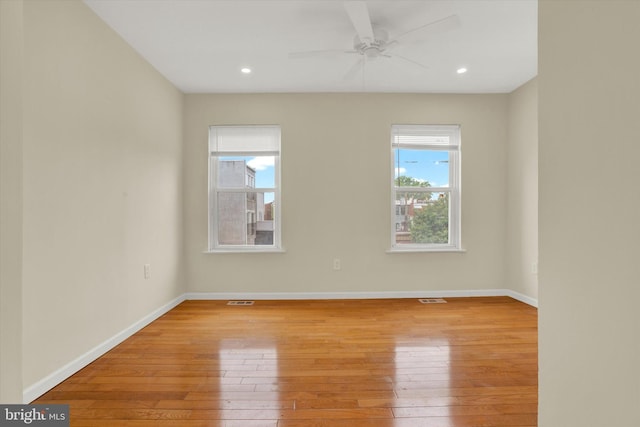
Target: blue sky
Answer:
[[432, 166]]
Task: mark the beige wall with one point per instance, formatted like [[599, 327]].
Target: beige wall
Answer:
[[336, 194], [11, 201], [522, 191], [589, 94], [102, 186], [95, 190]]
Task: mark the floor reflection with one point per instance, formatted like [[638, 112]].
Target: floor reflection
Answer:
[[423, 378], [245, 364]]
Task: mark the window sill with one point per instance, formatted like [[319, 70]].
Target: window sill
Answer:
[[413, 249], [245, 251]]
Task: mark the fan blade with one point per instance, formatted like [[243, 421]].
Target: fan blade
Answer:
[[449, 23], [330, 53], [355, 69], [359, 15], [404, 58]]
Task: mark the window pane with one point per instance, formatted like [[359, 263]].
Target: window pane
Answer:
[[415, 167], [423, 219], [246, 218], [246, 172]]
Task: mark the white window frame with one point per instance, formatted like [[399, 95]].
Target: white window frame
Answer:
[[452, 134], [214, 154]]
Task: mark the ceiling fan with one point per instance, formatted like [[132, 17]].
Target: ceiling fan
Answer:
[[371, 42]]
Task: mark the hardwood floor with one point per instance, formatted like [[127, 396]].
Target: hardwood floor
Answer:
[[383, 363]]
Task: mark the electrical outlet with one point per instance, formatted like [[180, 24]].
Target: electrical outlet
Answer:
[[534, 268], [147, 271], [336, 264]]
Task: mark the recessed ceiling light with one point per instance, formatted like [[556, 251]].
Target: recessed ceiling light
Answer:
[[245, 70], [461, 70]]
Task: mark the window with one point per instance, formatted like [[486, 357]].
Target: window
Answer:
[[425, 209], [244, 188]]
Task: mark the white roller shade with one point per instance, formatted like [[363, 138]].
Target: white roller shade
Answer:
[[238, 139], [443, 137]]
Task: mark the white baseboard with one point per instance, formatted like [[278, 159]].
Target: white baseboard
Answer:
[[522, 298], [358, 295], [35, 390]]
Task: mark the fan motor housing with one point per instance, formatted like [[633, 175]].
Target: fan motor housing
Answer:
[[372, 48]]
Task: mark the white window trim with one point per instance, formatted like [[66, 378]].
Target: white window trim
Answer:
[[213, 246], [454, 190]]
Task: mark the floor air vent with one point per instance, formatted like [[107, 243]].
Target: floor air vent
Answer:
[[432, 300], [240, 303]]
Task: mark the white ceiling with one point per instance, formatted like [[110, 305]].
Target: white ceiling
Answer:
[[201, 45]]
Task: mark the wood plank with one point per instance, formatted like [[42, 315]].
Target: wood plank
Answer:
[[396, 362]]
